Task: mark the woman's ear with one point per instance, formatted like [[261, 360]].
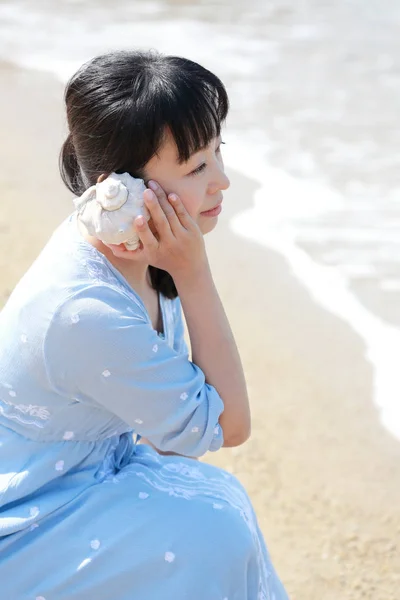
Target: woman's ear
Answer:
[[102, 177]]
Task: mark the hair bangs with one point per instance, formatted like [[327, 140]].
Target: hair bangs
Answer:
[[195, 115]]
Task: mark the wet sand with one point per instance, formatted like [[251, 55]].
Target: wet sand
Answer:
[[322, 472]]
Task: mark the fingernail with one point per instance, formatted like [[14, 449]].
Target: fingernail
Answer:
[[152, 185], [140, 221]]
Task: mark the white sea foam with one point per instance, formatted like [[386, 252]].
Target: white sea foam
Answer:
[[281, 196]]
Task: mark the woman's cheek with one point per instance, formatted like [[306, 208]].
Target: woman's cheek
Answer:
[[190, 206]]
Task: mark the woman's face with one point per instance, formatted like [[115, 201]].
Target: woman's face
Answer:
[[199, 182]]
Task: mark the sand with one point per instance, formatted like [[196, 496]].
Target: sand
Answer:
[[322, 472]]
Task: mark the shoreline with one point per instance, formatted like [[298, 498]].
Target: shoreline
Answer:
[[319, 467]]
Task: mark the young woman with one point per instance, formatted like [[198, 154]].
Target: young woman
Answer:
[[93, 360]]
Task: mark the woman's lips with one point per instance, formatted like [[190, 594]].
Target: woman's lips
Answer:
[[213, 212]]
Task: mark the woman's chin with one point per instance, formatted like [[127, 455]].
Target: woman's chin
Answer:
[[208, 225]]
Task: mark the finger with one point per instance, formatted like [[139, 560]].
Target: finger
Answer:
[[149, 241], [165, 205], [172, 217], [157, 214], [184, 218]]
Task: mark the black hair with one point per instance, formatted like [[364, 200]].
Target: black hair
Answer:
[[118, 108]]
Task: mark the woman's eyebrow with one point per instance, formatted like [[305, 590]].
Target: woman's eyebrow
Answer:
[[182, 161]]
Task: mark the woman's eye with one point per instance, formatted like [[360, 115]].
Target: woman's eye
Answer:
[[199, 169], [203, 166]]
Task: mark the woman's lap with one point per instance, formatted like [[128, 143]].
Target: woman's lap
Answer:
[[163, 527]]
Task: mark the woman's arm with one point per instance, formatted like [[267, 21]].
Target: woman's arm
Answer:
[[214, 350], [112, 359]]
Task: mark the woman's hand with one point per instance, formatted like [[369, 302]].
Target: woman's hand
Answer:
[[171, 240]]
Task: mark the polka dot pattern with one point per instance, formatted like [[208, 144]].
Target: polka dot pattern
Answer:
[[169, 557]]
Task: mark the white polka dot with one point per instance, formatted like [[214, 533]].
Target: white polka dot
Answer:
[[106, 373], [138, 421], [143, 495], [23, 338], [195, 429], [84, 563], [68, 435], [183, 396], [34, 511], [33, 526], [216, 430], [217, 506], [169, 557], [40, 598], [59, 465], [12, 393], [75, 318], [95, 544], [155, 348]]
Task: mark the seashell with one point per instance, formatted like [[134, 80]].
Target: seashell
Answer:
[[111, 194], [108, 209]]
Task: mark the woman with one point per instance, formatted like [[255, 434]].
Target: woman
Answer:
[[93, 358]]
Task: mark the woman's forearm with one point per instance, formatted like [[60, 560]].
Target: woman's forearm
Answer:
[[214, 350]]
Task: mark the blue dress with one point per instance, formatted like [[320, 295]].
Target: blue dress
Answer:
[[87, 513]]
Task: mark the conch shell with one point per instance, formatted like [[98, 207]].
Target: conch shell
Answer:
[[108, 209]]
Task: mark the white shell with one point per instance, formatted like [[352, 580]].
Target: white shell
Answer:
[[111, 194], [108, 209]]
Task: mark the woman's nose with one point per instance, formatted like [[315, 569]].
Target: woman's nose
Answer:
[[225, 181], [221, 180]]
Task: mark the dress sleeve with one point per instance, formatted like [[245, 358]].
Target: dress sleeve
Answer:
[[101, 349]]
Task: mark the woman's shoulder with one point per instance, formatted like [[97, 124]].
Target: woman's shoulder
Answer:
[[99, 304], [78, 270]]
